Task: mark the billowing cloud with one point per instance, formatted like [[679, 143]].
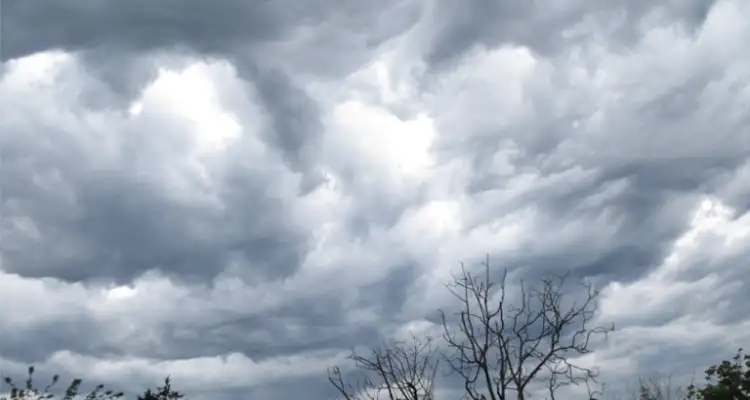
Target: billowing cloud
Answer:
[[237, 195]]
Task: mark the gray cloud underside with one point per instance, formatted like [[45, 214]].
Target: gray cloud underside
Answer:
[[576, 136]]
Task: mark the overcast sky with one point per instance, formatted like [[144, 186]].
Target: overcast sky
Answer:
[[237, 192]]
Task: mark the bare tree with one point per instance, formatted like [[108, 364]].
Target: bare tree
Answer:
[[500, 349], [398, 370]]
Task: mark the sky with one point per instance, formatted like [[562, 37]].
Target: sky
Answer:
[[237, 193]]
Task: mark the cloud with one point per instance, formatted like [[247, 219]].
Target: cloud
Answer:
[[549, 28], [237, 195]]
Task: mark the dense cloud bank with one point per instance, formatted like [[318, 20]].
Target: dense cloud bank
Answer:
[[238, 194]]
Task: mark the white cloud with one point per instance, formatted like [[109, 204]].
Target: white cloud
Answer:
[[191, 94], [714, 237], [380, 147], [195, 374], [681, 304]]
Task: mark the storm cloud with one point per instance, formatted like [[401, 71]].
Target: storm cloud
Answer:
[[238, 194]]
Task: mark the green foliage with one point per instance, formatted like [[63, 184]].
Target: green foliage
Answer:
[[729, 380]]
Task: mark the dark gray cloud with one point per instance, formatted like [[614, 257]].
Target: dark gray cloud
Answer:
[[548, 28], [75, 25], [238, 194], [296, 124], [335, 29], [121, 224]]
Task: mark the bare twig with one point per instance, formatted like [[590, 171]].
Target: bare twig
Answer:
[[500, 348], [400, 370]]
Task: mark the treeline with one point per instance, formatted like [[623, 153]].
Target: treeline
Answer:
[[72, 391], [499, 345]]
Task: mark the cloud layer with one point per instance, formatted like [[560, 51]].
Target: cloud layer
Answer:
[[237, 195]]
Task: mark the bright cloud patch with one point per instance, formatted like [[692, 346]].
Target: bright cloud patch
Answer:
[[191, 94], [384, 142]]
